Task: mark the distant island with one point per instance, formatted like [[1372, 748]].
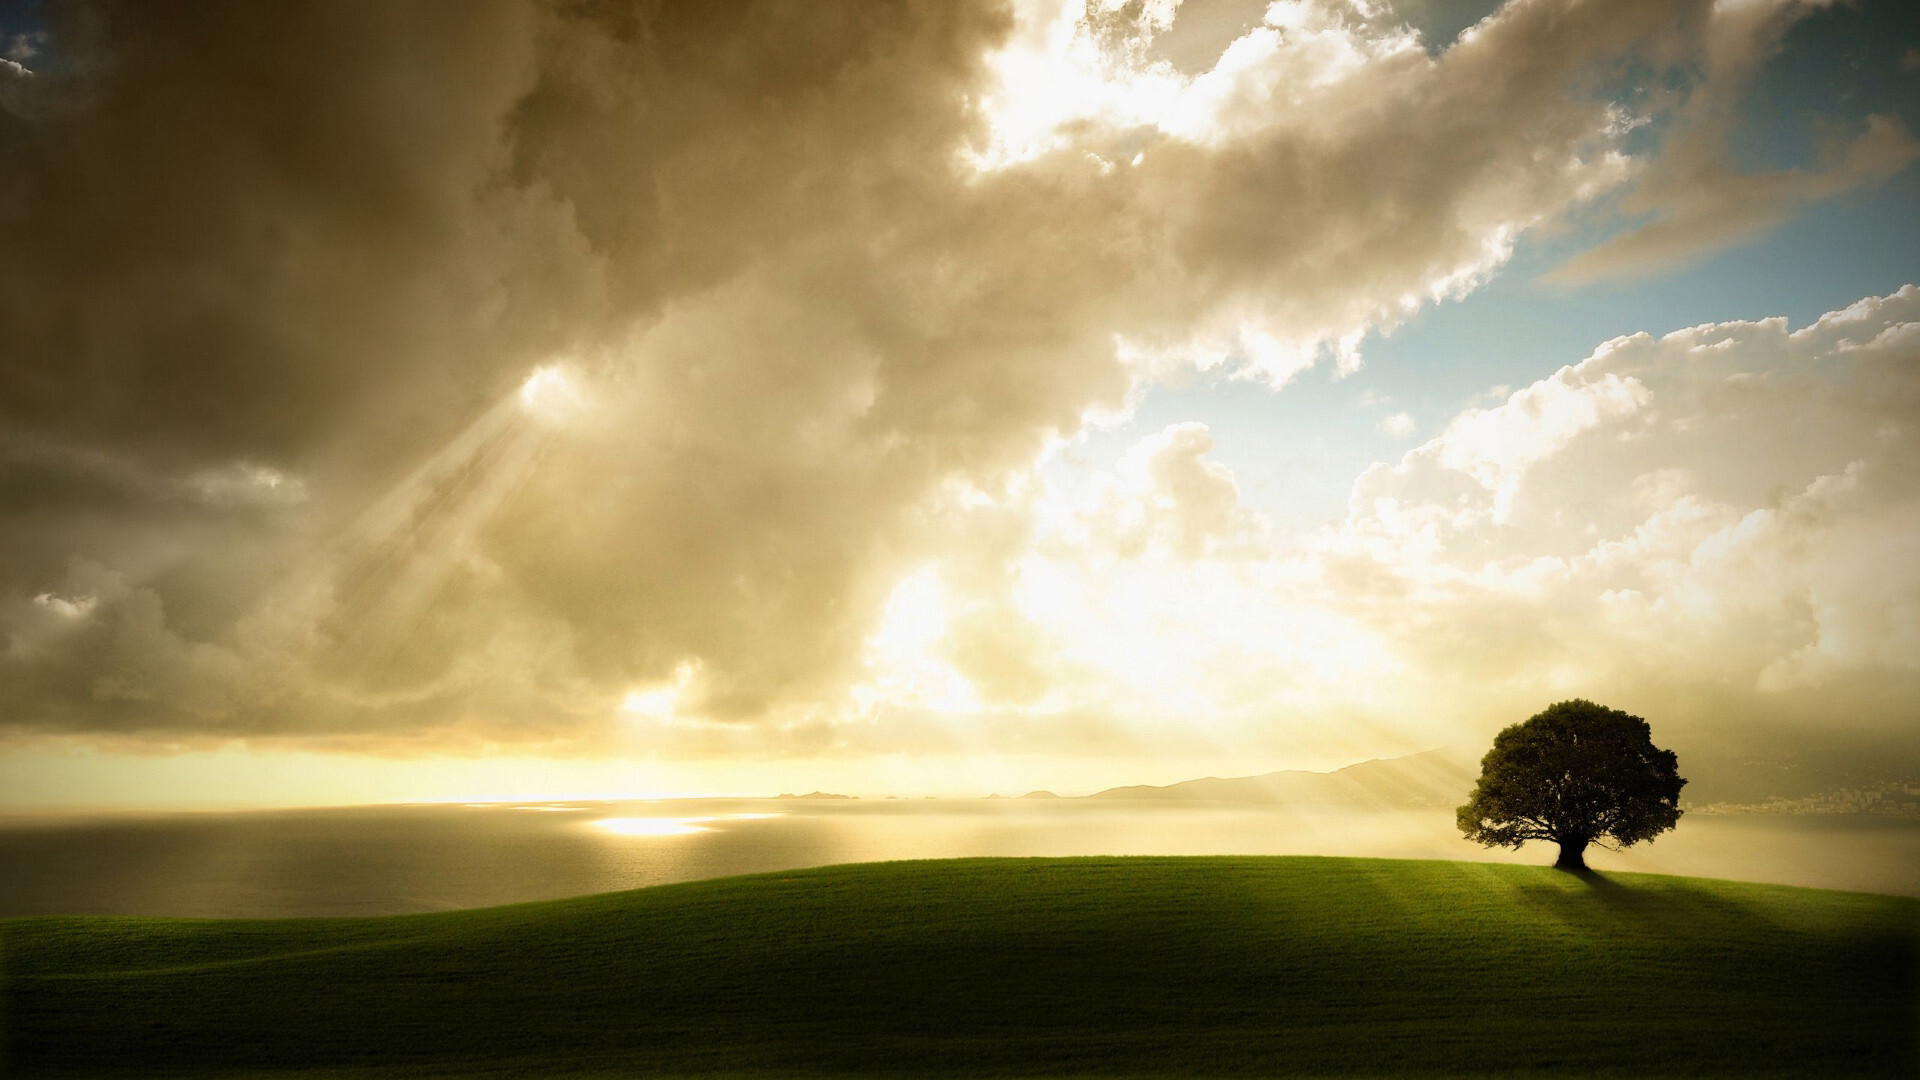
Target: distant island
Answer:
[[1900, 800]]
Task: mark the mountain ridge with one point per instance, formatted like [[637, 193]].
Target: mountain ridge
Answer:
[[1430, 778]]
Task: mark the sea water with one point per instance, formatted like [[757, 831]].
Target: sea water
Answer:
[[377, 860]]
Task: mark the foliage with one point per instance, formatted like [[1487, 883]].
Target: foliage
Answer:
[[1575, 774]]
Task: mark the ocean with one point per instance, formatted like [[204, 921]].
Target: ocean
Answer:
[[380, 860]]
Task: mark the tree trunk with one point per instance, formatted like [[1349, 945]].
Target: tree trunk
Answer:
[[1572, 855]]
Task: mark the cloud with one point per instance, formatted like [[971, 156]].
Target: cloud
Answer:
[[23, 47], [1707, 514], [1443, 162], [1397, 425], [806, 298], [1496, 447], [1708, 528], [1168, 493], [1706, 205], [1696, 197]]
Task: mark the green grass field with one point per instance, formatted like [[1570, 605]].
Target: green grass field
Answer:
[[1003, 967]]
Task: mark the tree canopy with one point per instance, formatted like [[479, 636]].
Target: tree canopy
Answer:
[[1575, 774]]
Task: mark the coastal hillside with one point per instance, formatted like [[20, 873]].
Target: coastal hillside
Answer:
[[1436, 778]]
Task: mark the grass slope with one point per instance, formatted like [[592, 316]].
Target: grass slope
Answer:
[[1002, 967]]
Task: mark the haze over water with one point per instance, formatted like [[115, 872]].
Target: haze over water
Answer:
[[396, 859]]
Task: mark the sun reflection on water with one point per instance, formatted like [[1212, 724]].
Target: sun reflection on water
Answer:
[[668, 826]]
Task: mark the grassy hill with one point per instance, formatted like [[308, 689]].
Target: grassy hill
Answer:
[[1003, 967]]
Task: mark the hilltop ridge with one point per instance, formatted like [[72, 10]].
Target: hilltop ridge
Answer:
[[1138, 967]]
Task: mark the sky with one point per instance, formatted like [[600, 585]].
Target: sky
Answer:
[[653, 399]]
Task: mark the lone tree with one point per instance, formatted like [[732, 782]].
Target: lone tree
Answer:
[[1576, 774]]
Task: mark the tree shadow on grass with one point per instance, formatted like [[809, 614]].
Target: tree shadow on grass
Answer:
[[1605, 901]]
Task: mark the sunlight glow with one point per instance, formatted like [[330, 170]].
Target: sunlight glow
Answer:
[[415, 538], [1057, 79], [656, 703], [905, 656], [1054, 74], [669, 826], [76, 607], [550, 394], [652, 826], [661, 700]]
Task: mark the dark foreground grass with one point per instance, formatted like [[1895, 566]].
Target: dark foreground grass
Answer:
[[1003, 967]]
